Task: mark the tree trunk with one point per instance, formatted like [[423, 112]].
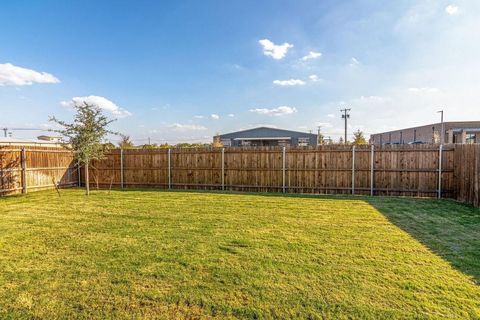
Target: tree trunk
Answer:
[[87, 179]]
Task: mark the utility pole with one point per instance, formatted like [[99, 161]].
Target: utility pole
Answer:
[[442, 133], [345, 116], [320, 138], [5, 132]]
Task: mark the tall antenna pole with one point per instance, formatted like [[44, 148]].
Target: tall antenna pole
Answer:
[[442, 133], [345, 116]]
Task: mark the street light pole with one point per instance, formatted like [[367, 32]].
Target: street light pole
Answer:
[[442, 133], [345, 116]]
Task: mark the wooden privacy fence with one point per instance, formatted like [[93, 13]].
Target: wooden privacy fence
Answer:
[[451, 171], [410, 170], [467, 173], [32, 168]]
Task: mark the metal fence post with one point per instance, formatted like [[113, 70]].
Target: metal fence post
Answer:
[[223, 168], [24, 170], [353, 169], [169, 168], [283, 169], [440, 171], [121, 169], [372, 162]]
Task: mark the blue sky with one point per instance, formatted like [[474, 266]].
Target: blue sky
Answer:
[[184, 70]]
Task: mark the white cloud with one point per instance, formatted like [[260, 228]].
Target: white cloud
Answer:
[[451, 10], [277, 52], [279, 111], [314, 78], [290, 82], [214, 116], [186, 127], [354, 62], [11, 75], [99, 102], [312, 55], [324, 124], [331, 115], [231, 115], [424, 90], [199, 117]]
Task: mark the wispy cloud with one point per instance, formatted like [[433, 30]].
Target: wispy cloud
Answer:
[[290, 82], [324, 124], [452, 10], [277, 52], [11, 75], [354, 62], [231, 115], [313, 78], [186, 127], [214, 116], [312, 55], [425, 90], [279, 111], [99, 102]]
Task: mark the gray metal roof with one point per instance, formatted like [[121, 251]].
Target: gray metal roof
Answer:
[[265, 132]]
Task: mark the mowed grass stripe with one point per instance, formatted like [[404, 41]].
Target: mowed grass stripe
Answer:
[[193, 254]]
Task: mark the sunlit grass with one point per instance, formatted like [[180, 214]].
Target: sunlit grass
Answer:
[[148, 254]]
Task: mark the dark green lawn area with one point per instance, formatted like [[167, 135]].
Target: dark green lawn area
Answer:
[[153, 254]]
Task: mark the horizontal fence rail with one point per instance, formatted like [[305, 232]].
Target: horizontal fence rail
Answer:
[[23, 170], [450, 171]]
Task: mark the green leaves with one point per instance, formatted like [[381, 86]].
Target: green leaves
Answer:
[[86, 134]]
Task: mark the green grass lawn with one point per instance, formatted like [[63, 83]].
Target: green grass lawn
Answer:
[[153, 254]]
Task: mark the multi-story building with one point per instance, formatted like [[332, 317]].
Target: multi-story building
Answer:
[[453, 132]]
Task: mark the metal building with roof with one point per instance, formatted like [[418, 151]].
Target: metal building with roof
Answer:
[[265, 136], [453, 132]]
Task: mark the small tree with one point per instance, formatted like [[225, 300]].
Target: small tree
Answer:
[[217, 143], [126, 143], [359, 138], [85, 135]]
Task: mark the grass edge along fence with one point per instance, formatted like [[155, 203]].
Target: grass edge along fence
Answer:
[[450, 171]]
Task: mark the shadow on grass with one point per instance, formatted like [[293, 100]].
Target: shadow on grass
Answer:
[[448, 228]]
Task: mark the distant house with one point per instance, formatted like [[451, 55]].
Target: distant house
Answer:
[[264, 136], [9, 141], [50, 138]]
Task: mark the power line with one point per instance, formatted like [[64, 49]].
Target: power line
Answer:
[[5, 130]]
